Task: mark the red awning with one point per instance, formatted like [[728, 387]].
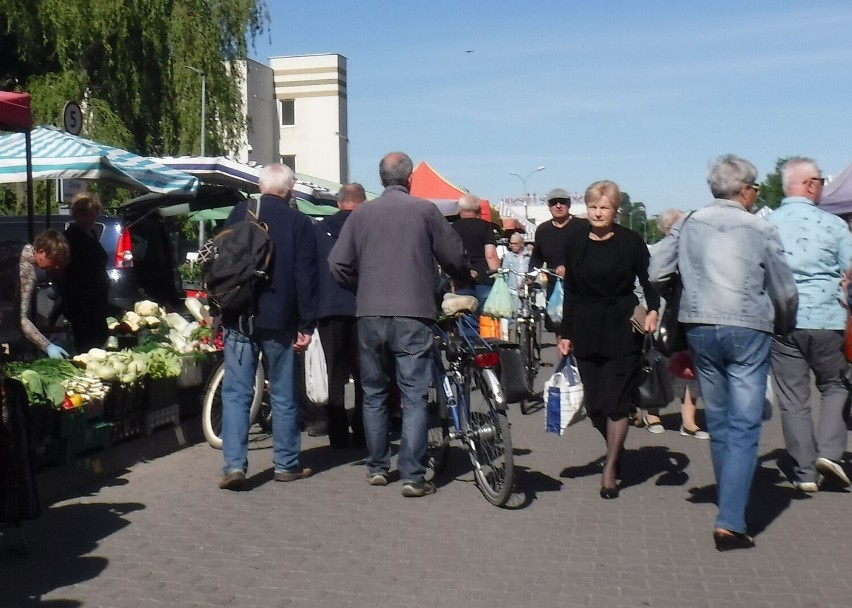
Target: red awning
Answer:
[[15, 113]]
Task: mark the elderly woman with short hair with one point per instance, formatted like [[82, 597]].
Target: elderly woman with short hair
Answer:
[[737, 290], [602, 267]]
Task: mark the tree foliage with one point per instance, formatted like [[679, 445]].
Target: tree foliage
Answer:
[[125, 62], [633, 215], [772, 189]]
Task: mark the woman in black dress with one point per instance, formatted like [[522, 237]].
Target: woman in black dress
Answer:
[[86, 290], [601, 271]]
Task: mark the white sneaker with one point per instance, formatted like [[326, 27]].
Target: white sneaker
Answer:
[[833, 471], [806, 486]]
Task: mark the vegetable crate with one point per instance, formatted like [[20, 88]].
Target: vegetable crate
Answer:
[[161, 393], [163, 416], [90, 436], [123, 400], [46, 445], [127, 428]]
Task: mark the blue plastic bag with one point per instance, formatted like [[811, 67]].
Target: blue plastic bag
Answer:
[[554, 304]]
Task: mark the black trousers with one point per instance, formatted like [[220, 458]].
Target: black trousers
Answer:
[[339, 335]]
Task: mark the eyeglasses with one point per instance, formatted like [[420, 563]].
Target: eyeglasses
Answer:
[[755, 187], [555, 202], [821, 180]]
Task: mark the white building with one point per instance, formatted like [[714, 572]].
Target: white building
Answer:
[[297, 114]]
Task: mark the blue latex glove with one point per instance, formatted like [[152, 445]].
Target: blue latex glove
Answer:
[[54, 351]]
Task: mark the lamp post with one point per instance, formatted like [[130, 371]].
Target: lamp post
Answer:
[[524, 182], [203, 75]]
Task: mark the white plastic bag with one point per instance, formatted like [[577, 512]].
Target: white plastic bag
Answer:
[[316, 372], [563, 395]]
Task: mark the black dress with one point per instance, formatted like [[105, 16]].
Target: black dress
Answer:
[[85, 290], [599, 301]]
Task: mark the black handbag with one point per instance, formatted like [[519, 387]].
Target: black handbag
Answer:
[[672, 333], [655, 385]]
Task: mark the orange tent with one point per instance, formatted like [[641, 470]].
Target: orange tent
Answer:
[[429, 184]]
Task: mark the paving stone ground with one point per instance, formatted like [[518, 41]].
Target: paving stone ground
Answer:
[[144, 525]]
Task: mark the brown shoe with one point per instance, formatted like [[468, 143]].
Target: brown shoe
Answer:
[[292, 475], [232, 481]]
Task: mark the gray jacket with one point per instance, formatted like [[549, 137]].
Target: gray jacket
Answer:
[[387, 254], [732, 267]]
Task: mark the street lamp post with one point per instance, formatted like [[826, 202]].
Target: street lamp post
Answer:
[[203, 75], [524, 182]]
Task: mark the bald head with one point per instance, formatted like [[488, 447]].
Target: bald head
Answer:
[[395, 169]]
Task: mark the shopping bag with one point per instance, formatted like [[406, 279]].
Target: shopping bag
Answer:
[[499, 303], [316, 372], [671, 334], [655, 385], [563, 394], [554, 304]]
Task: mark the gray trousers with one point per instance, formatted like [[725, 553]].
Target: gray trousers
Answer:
[[793, 357]]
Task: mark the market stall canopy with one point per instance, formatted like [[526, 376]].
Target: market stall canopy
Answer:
[[226, 172], [429, 184], [15, 113], [60, 155], [837, 194]]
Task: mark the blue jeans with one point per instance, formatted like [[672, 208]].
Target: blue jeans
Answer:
[[732, 365], [481, 293], [241, 360], [396, 348]]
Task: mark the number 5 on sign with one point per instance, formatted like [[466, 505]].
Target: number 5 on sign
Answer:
[[72, 118]]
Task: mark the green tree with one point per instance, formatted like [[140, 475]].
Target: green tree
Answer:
[[772, 189], [633, 215], [125, 62]]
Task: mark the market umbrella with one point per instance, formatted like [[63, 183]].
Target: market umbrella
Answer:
[[16, 116], [60, 155]]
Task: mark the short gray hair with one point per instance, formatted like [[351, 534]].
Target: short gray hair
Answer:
[[276, 179], [469, 202], [728, 174], [395, 169], [519, 236], [667, 219], [790, 169]]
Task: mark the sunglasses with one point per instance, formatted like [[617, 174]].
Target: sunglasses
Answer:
[[755, 187], [555, 202], [821, 180]]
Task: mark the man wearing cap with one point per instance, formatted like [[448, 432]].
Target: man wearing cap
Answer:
[[551, 237]]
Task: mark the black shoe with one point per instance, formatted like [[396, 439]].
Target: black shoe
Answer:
[[728, 541], [292, 475], [317, 429], [233, 480], [609, 493]]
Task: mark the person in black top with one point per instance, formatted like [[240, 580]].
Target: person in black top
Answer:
[[552, 239], [85, 293], [477, 235], [602, 266]]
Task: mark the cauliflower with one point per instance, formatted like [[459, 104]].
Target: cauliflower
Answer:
[[146, 308]]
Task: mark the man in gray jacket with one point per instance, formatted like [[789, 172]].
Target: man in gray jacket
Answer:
[[735, 284], [387, 253]]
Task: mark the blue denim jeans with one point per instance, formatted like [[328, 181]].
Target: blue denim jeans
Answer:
[[241, 361], [396, 348], [732, 365]]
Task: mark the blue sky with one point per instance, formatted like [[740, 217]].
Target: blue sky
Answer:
[[642, 93]]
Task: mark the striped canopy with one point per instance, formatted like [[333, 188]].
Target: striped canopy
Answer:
[[60, 155]]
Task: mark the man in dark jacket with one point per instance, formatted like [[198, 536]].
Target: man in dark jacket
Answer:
[[387, 251], [337, 327], [285, 319]]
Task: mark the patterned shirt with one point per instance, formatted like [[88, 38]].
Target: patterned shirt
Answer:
[[28, 280]]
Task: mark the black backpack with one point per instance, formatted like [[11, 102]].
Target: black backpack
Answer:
[[239, 265]]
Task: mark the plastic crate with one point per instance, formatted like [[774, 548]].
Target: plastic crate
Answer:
[[191, 372], [154, 419], [93, 436], [47, 447], [160, 393], [94, 408], [122, 400], [127, 428], [72, 422]]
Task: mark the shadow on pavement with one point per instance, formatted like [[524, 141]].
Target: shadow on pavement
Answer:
[[528, 484], [639, 466], [59, 544]]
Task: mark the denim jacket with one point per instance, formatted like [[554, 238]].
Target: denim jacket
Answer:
[[818, 248], [732, 268]]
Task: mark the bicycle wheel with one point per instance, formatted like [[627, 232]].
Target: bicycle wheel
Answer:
[[490, 440], [525, 340], [211, 406]]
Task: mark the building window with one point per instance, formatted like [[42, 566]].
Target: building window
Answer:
[[290, 161], [288, 112]]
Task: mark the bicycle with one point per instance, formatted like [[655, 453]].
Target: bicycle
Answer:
[[527, 326], [468, 405], [260, 411]]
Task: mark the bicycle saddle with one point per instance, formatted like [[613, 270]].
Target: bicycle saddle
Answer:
[[458, 305]]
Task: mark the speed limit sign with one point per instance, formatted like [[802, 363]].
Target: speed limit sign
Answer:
[[72, 118]]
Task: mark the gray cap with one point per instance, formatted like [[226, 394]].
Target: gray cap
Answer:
[[558, 193]]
